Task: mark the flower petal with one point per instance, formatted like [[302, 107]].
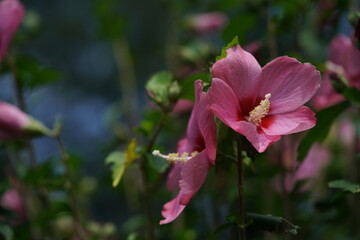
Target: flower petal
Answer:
[[11, 14], [260, 140], [299, 120], [240, 71], [206, 121], [290, 83], [172, 209], [223, 103], [193, 176], [326, 95], [174, 176]]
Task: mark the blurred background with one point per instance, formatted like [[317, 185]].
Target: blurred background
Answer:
[[87, 62]]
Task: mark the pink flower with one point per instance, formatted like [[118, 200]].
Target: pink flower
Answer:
[[11, 200], [198, 153], [263, 103], [206, 23], [344, 60], [310, 169], [183, 105], [11, 15], [16, 124]]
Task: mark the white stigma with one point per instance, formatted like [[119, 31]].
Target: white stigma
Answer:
[[174, 157]]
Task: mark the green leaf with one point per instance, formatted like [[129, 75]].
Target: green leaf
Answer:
[[325, 119], [158, 87], [270, 223], [6, 232], [187, 85], [121, 161], [233, 42], [352, 94], [32, 73], [345, 186]]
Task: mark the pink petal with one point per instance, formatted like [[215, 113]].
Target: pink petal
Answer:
[[11, 15], [337, 46], [290, 83], [182, 105], [206, 121], [193, 176], [223, 103], [317, 158], [291, 122], [260, 140], [326, 95], [172, 210], [240, 71], [174, 176], [193, 133]]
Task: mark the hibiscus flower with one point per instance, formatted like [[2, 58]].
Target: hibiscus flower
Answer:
[[196, 155], [263, 103], [344, 60]]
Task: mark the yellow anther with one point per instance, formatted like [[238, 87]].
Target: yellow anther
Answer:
[[174, 157], [193, 154], [260, 111], [185, 154]]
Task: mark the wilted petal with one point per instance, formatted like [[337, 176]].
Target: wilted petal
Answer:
[[172, 209], [240, 71], [299, 120], [290, 83], [193, 176]]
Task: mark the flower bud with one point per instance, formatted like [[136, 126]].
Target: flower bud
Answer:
[[11, 15], [16, 124]]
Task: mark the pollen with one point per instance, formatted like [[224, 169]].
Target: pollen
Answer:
[[175, 157], [260, 111]]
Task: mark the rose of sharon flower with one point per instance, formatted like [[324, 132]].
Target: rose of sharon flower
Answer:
[[16, 124], [344, 60], [263, 103], [196, 155], [11, 15]]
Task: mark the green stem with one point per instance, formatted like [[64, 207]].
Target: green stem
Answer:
[[19, 98], [240, 187], [69, 185], [144, 179], [127, 81]]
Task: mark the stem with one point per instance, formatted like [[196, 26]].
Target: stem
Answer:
[[19, 98], [144, 177], [271, 32], [242, 233], [127, 81], [70, 190]]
